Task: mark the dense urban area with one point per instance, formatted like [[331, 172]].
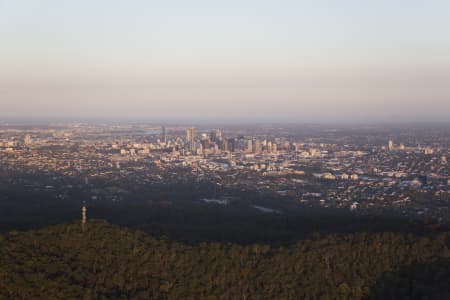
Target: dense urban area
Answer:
[[151, 211], [396, 170]]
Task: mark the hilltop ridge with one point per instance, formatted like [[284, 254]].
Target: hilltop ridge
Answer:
[[110, 262]]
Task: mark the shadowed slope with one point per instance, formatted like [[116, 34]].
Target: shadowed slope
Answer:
[[105, 261]]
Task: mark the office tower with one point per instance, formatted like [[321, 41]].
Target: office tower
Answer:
[[231, 145], [274, 148], [216, 135], [223, 145], [189, 134], [164, 135], [287, 145], [205, 143], [27, 140], [190, 141], [390, 145], [249, 146], [258, 147]]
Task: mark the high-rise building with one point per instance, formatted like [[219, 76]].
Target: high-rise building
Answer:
[[249, 146], [258, 147], [223, 145], [190, 139], [27, 140], [216, 135], [205, 143], [188, 134], [274, 148], [164, 135], [390, 145], [231, 145]]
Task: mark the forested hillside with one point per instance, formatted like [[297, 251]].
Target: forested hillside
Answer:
[[109, 262]]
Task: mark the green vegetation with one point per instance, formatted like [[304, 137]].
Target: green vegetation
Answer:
[[109, 262]]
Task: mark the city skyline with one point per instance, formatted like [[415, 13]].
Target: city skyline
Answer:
[[229, 62], [256, 149]]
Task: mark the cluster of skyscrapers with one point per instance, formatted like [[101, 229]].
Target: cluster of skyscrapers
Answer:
[[214, 141]]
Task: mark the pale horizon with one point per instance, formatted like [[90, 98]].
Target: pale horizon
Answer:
[[258, 61]]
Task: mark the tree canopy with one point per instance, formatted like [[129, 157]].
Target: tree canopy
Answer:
[[110, 262]]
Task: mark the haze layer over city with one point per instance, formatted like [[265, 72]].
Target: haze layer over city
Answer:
[[232, 150]]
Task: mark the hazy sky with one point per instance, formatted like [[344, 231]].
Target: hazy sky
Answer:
[[296, 61]]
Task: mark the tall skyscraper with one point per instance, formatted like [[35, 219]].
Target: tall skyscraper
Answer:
[[269, 147], [249, 146], [390, 145], [216, 135], [258, 146], [223, 145], [190, 138], [164, 135], [231, 145]]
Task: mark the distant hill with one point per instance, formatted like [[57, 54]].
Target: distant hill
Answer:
[[109, 262]]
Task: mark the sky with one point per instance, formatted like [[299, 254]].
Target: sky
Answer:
[[235, 60]]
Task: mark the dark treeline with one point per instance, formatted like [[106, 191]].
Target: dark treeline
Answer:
[[176, 246], [417, 281], [198, 223], [187, 219], [109, 262], [194, 222]]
